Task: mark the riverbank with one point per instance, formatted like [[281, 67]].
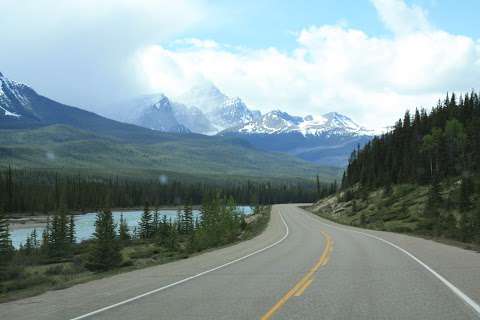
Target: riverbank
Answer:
[[21, 221], [33, 279]]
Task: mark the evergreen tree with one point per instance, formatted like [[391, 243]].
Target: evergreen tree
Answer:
[[105, 250], [6, 248], [124, 233], [59, 243], [71, 230], [187, 219], [146, 223], [179, 220], [156, 222]]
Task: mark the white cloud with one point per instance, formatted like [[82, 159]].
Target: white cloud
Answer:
[[79, 52], [401, 18], [333, 68]]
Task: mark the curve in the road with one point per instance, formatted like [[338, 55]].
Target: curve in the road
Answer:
[[305, 281], [469, 301], [287, 232]]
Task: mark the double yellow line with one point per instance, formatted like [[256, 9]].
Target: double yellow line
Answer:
[[306, 280]]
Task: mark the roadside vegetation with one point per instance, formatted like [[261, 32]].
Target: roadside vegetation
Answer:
[[423, 177], [54, 260]]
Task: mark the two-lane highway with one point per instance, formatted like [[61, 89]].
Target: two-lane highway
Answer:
[[301, 267]]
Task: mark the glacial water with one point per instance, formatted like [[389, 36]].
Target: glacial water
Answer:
[[85, 223]]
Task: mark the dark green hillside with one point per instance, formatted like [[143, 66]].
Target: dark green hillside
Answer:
[[66, 147], [422, 177]]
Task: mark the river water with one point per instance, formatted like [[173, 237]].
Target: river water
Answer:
[[85, 223]]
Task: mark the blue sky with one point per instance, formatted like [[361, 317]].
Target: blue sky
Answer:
[[369, 59], [263, 23]]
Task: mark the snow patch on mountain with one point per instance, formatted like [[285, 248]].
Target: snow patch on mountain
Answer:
[[277, 122]]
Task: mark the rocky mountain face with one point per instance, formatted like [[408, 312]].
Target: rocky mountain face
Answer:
[[23, 108], [325, 139]]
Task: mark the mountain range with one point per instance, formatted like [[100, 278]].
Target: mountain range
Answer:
[[38, 132], [325, 139]]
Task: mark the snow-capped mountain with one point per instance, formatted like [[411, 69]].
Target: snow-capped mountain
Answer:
[[222, 111], [158, 112], [232, 113], [203, 109], [14, 99], [22, 108], [160, 116], [328, 139], [204, 96], [277, 122]]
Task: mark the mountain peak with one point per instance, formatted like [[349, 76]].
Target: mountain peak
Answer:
[[162, 102], [205, 96], [332, 123]]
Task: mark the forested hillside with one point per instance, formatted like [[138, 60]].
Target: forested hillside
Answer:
[[42, 191], [422, 176], [423, 146]]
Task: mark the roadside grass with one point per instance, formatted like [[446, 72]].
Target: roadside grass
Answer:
[[402, 211], [28, 281]]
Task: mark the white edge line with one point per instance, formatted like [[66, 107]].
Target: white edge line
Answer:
[[287, 231], [469, 301]]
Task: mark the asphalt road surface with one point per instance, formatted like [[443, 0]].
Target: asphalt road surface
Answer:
[[301, 267]]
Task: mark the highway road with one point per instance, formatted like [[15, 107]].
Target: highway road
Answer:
[[301, 267]]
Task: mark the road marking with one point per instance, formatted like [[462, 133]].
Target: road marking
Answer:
[[287, 232], [466, 299], [303, 283], [304, 287]]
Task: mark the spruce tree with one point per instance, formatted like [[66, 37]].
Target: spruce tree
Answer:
[[146, 223], [6, 248], [71, 230], [179, 221], [155, 222], [59, 243], [105, 251], [124, 232], [187, 219]]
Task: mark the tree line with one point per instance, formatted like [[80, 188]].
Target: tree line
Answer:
[[437, 148], [36, 191], [218, 223]]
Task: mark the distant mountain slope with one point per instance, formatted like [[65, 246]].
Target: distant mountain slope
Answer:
[[21, 107], [327, 139], [158, 112], [61, 146]]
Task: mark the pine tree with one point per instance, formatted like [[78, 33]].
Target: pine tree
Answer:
[[59, 243], [156, 222], [179, 220], [105, 250], [187, 219], [146, 223], [46, 237], [6, 248], [124, 233], [71, 230]]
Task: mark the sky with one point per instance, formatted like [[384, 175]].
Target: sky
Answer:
[[368, 59]]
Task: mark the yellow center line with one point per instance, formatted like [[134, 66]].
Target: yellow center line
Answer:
[[306, 280], [304, 287]]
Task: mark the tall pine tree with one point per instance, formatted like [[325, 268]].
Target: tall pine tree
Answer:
[[105, 251]]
